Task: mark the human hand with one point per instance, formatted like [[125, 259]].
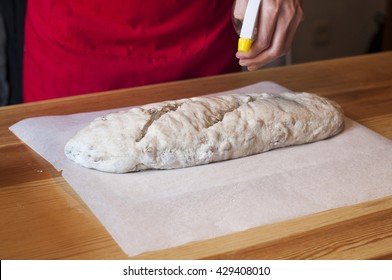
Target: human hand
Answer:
[[277, 25]]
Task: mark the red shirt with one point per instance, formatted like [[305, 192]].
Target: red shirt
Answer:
[[79, 46]]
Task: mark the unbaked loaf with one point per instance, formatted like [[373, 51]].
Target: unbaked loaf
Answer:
[[201, 130]]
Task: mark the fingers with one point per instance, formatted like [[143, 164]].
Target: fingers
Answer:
[[278, 23], [239, 9], [268, 20]]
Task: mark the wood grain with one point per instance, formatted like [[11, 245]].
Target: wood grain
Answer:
[[43, 218]]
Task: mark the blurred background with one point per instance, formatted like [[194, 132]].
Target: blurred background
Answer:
[[341, 28], [331, 29]]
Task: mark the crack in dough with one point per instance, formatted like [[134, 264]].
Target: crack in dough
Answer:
[[156, 114]]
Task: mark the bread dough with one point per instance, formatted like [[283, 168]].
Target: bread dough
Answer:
[[201, 130]]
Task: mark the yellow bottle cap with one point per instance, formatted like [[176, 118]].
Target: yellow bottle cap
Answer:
[[244, 44]]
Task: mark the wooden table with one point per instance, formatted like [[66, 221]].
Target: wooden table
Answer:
[[41, 217]]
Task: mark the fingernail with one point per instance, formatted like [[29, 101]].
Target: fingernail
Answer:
[[252, 68]]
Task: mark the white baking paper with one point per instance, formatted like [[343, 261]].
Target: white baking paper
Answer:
[[157, 209]]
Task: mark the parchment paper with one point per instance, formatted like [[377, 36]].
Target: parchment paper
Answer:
[[153, 210]]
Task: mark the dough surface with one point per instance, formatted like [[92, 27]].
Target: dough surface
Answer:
[[201, 130]]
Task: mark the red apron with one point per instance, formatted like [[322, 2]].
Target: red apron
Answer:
[[81, 46]]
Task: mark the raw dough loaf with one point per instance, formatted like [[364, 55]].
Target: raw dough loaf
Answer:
[[200, 130]]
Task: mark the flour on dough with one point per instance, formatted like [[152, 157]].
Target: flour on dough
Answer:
[[201, 130]]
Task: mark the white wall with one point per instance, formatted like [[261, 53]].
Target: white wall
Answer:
[[335, 28]]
